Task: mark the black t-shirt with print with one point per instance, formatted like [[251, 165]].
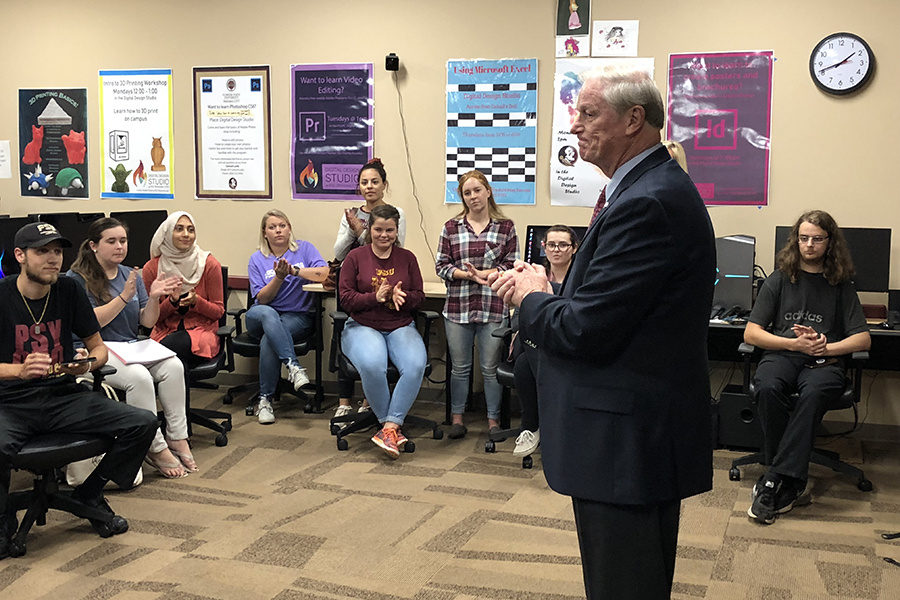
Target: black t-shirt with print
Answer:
[[68, 312], [811, 301]]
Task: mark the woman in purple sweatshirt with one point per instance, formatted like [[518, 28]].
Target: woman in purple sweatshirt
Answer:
[[380, 285]]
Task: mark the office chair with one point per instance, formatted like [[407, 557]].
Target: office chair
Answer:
[[243, 344], [826, 458], [338, 362], [209, 368], [44, 455]]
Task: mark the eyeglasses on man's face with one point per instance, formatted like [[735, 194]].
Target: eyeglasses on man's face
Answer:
[[815, 239], [557, 246]]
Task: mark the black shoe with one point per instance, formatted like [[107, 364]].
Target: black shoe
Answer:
[[8, 527], [763, 509], [494, 430], [457, 431], [791, 493], [105, 528]]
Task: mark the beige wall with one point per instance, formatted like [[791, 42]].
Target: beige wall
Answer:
[[828, 153]]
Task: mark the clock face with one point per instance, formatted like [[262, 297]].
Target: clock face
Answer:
[[841, 63]]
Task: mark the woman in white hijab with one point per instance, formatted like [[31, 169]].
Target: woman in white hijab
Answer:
[[189, 317]]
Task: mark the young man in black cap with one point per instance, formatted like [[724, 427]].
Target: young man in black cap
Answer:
[[38, 392]]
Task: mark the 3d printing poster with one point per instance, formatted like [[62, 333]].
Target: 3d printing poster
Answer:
[[720, 110], [136, 129], [615, 38], [492, 126], [233, 132], [331, 129], [53, 142], [574, 182], [573, 18]]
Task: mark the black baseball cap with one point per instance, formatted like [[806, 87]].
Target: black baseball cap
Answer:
[[36, 235]]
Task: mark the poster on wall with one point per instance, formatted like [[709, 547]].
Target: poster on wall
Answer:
[[136, 130], [573, 18], [574, 182], [233, 133], [53, 142], [492, 126], [720, 110], [615, 38], [331, 129]]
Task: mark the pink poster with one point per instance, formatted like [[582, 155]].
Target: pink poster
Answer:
[[720, 110]]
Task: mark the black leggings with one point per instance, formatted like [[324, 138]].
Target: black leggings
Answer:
[[526, 387], [179, 342]]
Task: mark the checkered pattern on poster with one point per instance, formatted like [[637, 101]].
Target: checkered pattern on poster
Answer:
[[491, 126]]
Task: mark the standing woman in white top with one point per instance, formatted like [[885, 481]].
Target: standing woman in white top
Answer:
[[373, 183]]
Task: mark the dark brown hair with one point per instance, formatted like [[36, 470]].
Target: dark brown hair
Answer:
[[86, 263], [838, 266], [387, 212]]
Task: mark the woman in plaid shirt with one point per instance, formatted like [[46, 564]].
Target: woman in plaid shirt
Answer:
[[475, 243]]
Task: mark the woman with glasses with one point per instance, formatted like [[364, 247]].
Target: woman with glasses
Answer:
[[559, 243]]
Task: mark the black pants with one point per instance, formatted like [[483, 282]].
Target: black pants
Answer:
[[526, 387], [70, 408], [627, 552], [789, 427]]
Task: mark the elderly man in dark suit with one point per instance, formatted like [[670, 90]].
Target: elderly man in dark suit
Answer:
[[621, 367]]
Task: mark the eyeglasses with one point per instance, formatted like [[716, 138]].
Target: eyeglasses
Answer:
[[815, 239], [557, 246]]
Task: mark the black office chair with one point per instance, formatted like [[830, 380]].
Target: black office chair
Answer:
[[245, 345], [827, 458], [198, 375], [351, 423], [43, 456]]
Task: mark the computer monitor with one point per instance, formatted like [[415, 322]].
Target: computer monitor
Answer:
[[735, 257], [534, 253], [142, 224], [74, 226], [870, 249], [8, 228]]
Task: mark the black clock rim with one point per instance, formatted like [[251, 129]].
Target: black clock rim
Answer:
[[854, 88]]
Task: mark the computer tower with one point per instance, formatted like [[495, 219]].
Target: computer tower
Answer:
[[738, 421]]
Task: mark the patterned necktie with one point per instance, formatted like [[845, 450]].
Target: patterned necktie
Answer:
[[601, 204]]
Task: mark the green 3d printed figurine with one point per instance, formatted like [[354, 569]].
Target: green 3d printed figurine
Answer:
[[120, 173]]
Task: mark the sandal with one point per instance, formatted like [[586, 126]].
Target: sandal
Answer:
[[187, 459], [159, 466]]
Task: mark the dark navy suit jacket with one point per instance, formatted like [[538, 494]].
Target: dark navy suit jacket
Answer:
[[623, 383]]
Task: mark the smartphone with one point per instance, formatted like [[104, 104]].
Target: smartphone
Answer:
[[81, 361]]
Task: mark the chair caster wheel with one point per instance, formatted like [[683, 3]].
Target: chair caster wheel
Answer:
[[221, 440], [527, 462], [734, 474], [409, 447], [227, 398], [250, 410], [17, 549], [490, 446], [342, 444], [438, 434], [864, 485], [335, 428], [226, 426]]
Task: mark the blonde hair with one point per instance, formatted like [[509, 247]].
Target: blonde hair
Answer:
[[263, 242], [676, 151], [493, 210]]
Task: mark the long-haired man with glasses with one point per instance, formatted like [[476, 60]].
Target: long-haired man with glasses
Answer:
[[807, 316]]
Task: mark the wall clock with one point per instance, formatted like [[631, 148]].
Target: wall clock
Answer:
[[841, 63]]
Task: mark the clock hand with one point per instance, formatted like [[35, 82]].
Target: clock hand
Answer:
[[822, 71]]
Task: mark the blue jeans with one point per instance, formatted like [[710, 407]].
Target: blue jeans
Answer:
[[460, 339], [369, 351], [276, 333]]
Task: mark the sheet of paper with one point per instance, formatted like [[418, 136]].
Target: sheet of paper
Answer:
[[5, 165], [139, 352]]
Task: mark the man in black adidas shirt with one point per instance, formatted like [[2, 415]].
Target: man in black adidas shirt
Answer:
[[815, 318], [38, 392]]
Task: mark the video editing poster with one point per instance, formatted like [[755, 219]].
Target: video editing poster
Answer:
[[53, 143]]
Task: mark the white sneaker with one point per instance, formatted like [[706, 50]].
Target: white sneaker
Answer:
[[363, 408], [297, 376], [264, 411], [527, 442], [342, 410]]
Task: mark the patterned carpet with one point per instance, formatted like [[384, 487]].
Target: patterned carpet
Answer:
[[281, 514]]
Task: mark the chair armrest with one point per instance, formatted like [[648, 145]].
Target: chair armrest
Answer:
[[861, 356], [501, 332], [237, 313], [225, 331], [338, 319], [99, 374], [745, 348]]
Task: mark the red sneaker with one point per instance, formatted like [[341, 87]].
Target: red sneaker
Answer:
[[386, 439], [401, 439]]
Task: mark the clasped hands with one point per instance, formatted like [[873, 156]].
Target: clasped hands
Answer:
[[395, 293], [809, 341], [513, 285]]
